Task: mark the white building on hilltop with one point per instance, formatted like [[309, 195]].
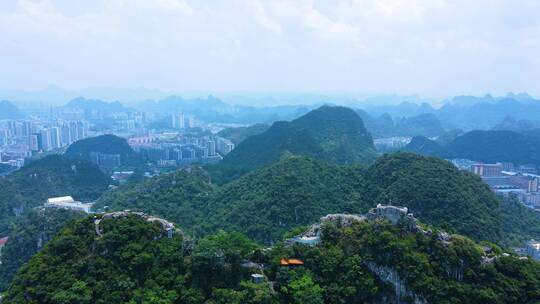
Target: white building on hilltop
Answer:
[[533, 249], [67, 202]]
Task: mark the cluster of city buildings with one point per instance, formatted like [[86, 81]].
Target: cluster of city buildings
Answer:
[[20, 139], [181, 149], [506, 179]]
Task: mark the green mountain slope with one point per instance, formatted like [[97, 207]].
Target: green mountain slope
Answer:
[[237, 135], [48, 177], [28, 235], [105, 144], [376, 262], [180, 196], [330, 134], [487, 146], [293, 192], [437, 193], [297, 190], [131, 258]]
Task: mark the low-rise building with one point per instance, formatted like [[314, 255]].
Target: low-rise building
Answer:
[[533, 249], [67, 202]]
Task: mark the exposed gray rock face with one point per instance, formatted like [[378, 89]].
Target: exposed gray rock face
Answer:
[[167, 226], [390, 276], [344, 220], [394, 214]]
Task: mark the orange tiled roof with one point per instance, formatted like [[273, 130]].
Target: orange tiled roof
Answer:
[[286, 262]]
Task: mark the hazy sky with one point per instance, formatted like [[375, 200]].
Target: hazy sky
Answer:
[[429, 47]]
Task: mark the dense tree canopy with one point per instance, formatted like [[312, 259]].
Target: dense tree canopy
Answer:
[[133, 261], [28, 235], [331, 134], [48, 177]]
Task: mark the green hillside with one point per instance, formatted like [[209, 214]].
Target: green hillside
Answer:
[[293, 192], [487, 146], [376, 262], [237, 135], [297, 190], [330, 134], [105, 144], [50, 176], [129, 258], [28, 235], [133, 261], [437, 193], [180, 196]]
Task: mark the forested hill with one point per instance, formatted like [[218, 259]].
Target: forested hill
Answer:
[[29, 233], [330, 134], [237, 135], [105, 144], [131, 258], [297, 190], [487, 146], [293, 192], [437, 192], [50, 176]]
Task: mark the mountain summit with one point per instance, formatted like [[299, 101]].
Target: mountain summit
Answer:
[[331, 134]]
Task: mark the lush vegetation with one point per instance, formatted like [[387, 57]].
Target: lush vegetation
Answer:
[[297, 190], [237, 135], [105, 144], [180, 196], [48, 177], [134, 262], [436, 192], [487, 146], [457, 271], [28, 235], [330, 134]]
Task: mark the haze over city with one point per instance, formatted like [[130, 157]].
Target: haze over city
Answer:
[[269, 151], [434, 49]]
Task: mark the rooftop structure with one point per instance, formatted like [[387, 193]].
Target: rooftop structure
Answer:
[[257, 278], [533, 249], [67, 202], [487, 170], [290, 262]]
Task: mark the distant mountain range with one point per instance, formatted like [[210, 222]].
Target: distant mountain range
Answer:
[[467, 112], [426, 124], [487, 146], [96, 105]]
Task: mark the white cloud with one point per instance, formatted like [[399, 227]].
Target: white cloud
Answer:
[[435, 47]]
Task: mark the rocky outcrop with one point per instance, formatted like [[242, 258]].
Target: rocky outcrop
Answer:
[[168, 227], [390, 276], [394, 214], [343, 220]]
